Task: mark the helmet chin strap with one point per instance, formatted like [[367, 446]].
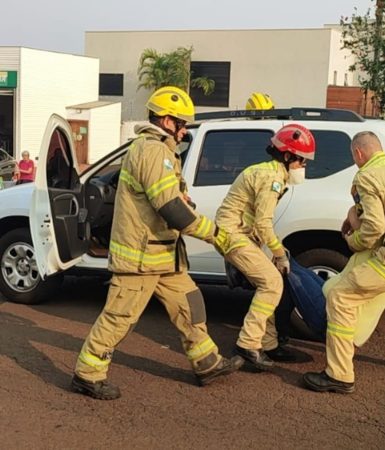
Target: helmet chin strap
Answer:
[[174, 134]]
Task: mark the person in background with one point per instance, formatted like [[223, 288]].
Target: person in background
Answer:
[[26, 169]]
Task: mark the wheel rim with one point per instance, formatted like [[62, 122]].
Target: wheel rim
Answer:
[[19, 268], [324, 272]]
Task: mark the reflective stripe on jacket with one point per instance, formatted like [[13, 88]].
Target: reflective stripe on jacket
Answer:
[[248, 208]]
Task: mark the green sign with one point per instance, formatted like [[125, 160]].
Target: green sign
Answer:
[[8, 79]]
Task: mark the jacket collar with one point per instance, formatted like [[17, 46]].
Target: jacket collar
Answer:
[[156, 133]]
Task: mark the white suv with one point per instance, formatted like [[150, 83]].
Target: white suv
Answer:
[[64, 218]]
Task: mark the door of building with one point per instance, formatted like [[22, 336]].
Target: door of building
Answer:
[[80, 135], [7, 120]]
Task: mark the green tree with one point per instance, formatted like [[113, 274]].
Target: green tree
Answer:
[[364, 36], [164, 69]]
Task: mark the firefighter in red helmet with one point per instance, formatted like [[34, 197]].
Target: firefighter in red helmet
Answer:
[[247, 215]]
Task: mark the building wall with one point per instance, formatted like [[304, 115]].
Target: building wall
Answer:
[[104, 131], [48, 83], [340, 60], [293, 66], [9, 58]]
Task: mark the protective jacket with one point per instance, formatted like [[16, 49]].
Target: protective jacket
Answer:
[[151, 209], [369, 195], [248, 208]]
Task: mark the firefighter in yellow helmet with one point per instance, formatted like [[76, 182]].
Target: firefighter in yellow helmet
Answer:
[[258, 101], [247, 214], [362, 230], [147, 253]]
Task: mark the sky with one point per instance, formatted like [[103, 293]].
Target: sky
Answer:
[[61, 26]]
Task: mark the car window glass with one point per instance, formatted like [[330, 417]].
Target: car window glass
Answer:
[[332, 154], [184, 147], [109, 173], [225, 153], [59, 162]]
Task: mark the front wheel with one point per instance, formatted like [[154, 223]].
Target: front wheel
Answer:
[[20, 281], [324, 262]]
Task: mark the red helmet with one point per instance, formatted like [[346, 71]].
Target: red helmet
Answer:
[[296, 139]]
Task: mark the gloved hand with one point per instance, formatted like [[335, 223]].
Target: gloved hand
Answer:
[[282, 264], [221, 240]]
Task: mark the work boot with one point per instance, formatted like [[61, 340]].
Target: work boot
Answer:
[[280, 354], [321, 382], [224, 367], [258, 358], [102, 390]]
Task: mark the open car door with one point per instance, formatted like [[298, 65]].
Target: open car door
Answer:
[[59, 223]]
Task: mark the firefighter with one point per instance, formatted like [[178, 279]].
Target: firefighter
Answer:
[[258, 101], [364, 229], [247, 215], [147, 254]]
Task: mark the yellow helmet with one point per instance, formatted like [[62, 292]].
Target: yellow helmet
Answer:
[[172, 101], [258, 100]]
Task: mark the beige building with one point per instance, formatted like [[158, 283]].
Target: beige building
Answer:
[[294, 66]]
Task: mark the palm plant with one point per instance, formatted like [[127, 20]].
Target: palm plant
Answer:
[[164, 69]]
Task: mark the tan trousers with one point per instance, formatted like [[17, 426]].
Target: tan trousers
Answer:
[[127, 298], [258, 327], [356, 287]]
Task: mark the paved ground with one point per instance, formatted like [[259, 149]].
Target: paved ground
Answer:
[[162, 407]]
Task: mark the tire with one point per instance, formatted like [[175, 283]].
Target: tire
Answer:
[[325, 263], [322, 261], [20, 281]]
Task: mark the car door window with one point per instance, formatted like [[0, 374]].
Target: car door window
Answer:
[[60, 171], [225, 153], [332, 154]]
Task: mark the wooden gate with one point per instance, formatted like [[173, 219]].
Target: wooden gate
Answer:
[[353, 98]]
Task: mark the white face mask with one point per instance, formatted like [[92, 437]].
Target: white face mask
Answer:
[[296, 176]]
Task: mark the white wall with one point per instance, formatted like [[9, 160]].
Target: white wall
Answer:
[[104, 131], [48, 83], [290, 65], [339, 62]]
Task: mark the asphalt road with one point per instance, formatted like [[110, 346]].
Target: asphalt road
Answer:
[[161, 406]]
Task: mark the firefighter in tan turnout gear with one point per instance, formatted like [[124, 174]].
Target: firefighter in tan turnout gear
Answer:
[[147, 254], [364, 281], [247, 214]]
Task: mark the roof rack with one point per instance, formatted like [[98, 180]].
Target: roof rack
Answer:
[[298, 113]]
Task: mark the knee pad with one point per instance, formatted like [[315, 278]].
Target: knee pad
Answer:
[[197, 306]]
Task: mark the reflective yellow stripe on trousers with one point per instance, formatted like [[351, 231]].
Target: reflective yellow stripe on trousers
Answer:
[[93, 361], [262, 307], [201, 350], [340, 331]]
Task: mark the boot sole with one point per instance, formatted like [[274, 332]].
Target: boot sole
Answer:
[[82, 390], [225, 371], [337, 389], [259, 367]]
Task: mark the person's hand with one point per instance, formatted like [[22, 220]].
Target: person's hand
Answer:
[[346, 227], [282, 263], [353, 218]]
